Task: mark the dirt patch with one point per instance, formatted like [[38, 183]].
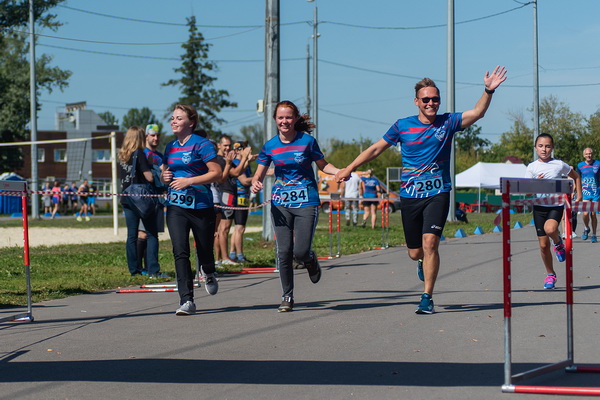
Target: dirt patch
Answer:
[[10, 237]]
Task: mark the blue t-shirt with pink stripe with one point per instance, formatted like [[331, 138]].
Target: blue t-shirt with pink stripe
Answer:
[[295, 184], [590, 178], [425, 153], [188, 161], [153, 157]]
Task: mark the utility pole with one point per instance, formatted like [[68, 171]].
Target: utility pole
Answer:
[[315, 116], [271, 99], [35, 207], [308, 105], [450, 106]]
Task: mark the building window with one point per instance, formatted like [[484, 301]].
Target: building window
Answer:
[[60, 155], [41, 155], [101, 156]]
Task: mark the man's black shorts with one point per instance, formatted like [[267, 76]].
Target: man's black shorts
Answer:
[[424, 215]]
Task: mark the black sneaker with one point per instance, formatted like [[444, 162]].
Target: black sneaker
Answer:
[[297, 264], [287, 305], [314, 269]]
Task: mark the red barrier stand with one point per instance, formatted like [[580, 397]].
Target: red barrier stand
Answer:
[[565, 188]]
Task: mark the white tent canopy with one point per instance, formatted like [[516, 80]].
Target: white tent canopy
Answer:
[[487, 175]]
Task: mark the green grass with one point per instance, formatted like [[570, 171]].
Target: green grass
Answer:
[[61, 271]]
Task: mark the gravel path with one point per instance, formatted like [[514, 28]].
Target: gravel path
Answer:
[[54, 236]]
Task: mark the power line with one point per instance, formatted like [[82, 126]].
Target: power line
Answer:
[[161, 58], [173, 23], [423, 27], [443, 80], [353, 117]]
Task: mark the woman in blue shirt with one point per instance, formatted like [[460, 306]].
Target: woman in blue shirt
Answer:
[[190, 166], [295, 196]]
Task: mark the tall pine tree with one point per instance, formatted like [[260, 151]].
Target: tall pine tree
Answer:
[[196, 85], [15, 113]]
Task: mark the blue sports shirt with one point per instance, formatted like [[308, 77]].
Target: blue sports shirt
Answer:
[[425, 153], [153, 157], [295, 184], [243, 192], [590, 178], [370, 187], [188, 161]]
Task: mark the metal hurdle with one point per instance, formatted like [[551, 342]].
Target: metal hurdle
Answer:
[[21, 186], [334, 197], [565, 188]]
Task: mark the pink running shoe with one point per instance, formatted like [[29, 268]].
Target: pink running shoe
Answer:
[[550, 281], [561, 253]]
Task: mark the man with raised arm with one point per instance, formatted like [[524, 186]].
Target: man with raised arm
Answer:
[[426, 141]]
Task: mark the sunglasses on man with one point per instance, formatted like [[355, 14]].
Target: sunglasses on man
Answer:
[[435, 99]]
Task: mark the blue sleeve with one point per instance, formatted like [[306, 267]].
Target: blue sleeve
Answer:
[[316, 153], [263, 158]]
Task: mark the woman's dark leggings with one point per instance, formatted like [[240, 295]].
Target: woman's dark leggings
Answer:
[[294, 231], [202, 224]]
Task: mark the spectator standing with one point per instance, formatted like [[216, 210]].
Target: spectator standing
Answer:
[[155, 162], [92, 199], [74, 197], [66, 190], [228, 188], [84, 190], [243, 153], [133, 150], [47, 198], [351, 189], [56, 197]]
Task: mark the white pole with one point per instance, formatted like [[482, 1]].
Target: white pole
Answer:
[[35, 211], [115, 199], [536, 81]]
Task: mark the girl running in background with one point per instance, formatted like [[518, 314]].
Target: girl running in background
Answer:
[[295, 196], [371, 189], [547, 218]]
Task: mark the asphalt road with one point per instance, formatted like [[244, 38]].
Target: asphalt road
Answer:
[[352, 335]]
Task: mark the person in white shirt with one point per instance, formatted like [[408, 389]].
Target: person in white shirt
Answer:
[[547, 217], [351, 189]]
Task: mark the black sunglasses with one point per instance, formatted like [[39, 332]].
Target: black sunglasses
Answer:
[[426, 100]]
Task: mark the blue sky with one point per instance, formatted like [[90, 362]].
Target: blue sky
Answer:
[[366, 71]]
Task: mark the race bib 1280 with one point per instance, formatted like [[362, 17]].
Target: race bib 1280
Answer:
[[428, 184], [182, 198]]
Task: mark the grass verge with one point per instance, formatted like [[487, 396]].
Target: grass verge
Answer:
[[66, 270]]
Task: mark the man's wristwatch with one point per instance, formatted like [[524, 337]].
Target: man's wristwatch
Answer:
[[488, 91]]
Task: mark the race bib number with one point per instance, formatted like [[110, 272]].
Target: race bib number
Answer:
[[428, 184], [182, 198], [242, 201], [293, 196]]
